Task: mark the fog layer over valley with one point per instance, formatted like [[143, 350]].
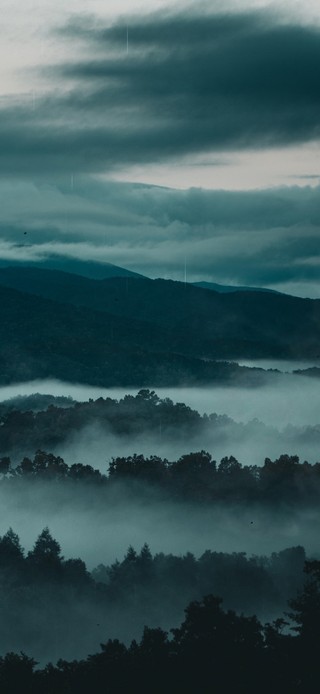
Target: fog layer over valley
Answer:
[[74, 611], [99, 528], [176, 503], [291, 399], [261, 422]]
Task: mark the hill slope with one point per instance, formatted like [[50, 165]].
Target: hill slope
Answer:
[[85, 268], [40, 338], [174, 317]]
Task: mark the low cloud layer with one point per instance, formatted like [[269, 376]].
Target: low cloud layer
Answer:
[[277, 418], [263, 238]]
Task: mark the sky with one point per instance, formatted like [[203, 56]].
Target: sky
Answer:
[[164, 137]]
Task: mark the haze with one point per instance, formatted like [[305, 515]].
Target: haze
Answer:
[[293, 400], [101, 533]]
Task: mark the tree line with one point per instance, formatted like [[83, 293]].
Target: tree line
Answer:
[[56, 607], [194, 476], [42, 425], [212, 650]]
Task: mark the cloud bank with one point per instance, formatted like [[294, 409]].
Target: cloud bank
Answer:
[[259, 238]]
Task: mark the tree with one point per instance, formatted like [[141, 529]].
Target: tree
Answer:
[[5, 464], [145, 556], [278, 477], [85, 473], [75, 572], [194, 474], [306, 607], [49, 464], [151, 470], [46, 554], [17, 673], [26, 467], [11, 552], [306, 615], [218, 649], [229, 466]]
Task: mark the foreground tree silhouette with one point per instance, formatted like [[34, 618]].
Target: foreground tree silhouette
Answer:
[[17, 674], [306, 615], [212, 651], [154, 662], [218, 649]]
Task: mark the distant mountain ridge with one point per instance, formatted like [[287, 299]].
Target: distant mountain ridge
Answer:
[[84, 268], [227, 288], [99, 271]]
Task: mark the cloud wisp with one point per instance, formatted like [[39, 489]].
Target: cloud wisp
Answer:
[[267, 237]]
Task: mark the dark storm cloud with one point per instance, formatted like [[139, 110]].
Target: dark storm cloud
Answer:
[[190, 83], [201, 60]]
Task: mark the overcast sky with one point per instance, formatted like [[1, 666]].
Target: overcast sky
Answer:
[[153, 134]]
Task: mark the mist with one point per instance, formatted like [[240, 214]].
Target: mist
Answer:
[[269, 420], [97, 524], [103, 533], [291, 399], [100, 529], [251, 444]]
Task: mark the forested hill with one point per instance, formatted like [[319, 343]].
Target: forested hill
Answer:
[[197, 322], [124, 331], [41, 338]]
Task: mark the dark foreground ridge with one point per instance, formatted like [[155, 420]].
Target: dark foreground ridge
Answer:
[[212, 650], [75, 610]]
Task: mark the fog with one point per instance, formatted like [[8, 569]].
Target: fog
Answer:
[[71, 624], [98, 524], [290, 400], [287, 409], [98, 534], [250, 444], [101, 531]]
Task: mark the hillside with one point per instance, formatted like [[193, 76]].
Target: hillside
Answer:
[[163, 315], [40, 338], [85, 268]]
